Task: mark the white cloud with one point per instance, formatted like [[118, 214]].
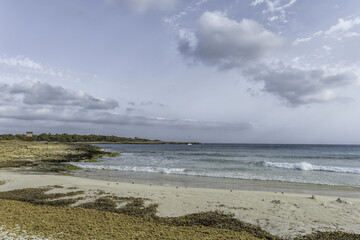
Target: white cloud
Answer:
[[275, 7], [257, 2], [273, 18], [142, 6], [343, 27], [301, 40], [174, 20], [338, 31], [21, 61], [21, 68], [227, 43]]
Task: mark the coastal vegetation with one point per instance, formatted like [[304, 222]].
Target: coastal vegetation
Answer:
[[48, 156], [82, 138]]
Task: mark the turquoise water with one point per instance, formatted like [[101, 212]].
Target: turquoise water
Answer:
[[335, 165]]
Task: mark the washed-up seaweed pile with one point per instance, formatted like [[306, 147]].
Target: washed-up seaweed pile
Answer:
[[114, 217], [33, 210]]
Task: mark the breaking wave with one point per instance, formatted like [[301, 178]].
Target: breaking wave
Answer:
[[132, 169], [305, 166]]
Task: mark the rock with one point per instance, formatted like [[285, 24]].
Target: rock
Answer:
[[339, 200]]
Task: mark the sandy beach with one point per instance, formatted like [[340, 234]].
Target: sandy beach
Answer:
[[282, 214], [38, 204]]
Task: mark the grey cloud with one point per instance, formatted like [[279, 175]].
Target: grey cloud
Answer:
[[131, 110], [45, 94], [3, 88], [303, 86], [227, 43], [39, 102], [62, 114], [5, 98], [150, 103], [146, 103]]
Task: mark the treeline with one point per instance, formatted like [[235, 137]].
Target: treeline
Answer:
[[78, 138]]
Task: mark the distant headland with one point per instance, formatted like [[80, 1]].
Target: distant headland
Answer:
[[48, 137]]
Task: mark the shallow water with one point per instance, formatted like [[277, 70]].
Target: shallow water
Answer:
[[327, 165]]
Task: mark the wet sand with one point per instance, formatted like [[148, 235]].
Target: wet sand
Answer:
[[173, 180]]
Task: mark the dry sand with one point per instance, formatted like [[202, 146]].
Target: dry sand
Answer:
[[281, 214]]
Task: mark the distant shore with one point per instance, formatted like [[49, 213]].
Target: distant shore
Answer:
[[89, 139], [147, 211]]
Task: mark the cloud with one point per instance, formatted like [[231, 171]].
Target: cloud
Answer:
[[4, 97], [38, 93], [340, 30], [68, 115], [301, 40], [343, 27], [41, 102], [227, 43], [274, 7], [298, 86], [174, 20], [151, 103], [20, 65], [142, 6], [21, 61]]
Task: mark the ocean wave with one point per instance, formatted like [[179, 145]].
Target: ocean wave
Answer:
[[305, 166], [178, 171], [203, 154], [322, 157], [132, 169], [220, 173], [218, 160]]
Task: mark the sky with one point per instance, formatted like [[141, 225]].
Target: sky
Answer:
[[230, 71]]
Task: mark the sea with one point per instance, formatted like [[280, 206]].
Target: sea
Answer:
[[283, 167]]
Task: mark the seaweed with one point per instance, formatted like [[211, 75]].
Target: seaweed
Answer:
[[135, 207], [38, 196], [338, 235]]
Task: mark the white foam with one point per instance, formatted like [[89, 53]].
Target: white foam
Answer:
[[132, 169], [305, 166]]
